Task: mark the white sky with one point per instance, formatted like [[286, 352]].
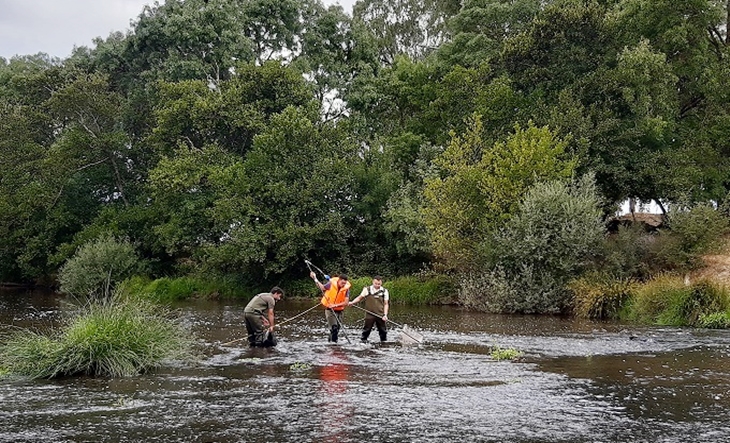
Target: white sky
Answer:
[[56, 26]]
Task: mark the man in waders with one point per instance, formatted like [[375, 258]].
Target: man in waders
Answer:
[[377, 305], [335, 297], [259, 317]]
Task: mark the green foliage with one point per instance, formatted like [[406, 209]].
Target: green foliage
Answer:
[[550, 241], [479, 187], [97, 267], [716, 320], [412, 289], [410, 27], [629, 252], [116, 339], [421, 289], [290, 198], [667, 300], [299, 366], [500, 354], [600, 296], [692, 232]]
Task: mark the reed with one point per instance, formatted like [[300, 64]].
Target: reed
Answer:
[[596, 296]]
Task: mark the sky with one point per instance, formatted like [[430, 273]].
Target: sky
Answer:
[[56, 26]]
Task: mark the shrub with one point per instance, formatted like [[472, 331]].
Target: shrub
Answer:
[[97, 267], [628, 252], [599, 296], [112, 339]]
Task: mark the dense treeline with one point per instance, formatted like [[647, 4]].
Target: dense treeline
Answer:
[[241, 136]]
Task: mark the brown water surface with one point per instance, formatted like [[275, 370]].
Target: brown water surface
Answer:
[[578, 381]]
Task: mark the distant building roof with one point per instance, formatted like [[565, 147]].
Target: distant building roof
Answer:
[[650, 222]]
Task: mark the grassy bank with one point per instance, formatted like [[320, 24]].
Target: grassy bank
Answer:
[[665, 300], [435, 289]]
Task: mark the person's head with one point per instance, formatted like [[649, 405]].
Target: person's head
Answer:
[[341, 280], [377, 282], [277, 292]]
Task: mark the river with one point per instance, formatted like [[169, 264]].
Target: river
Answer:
[[578, 381]]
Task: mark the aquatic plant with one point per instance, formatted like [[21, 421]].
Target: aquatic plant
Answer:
[[114, 339], [499, 353], [300, 366]]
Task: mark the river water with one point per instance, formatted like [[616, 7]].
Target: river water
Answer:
[[578, 381]]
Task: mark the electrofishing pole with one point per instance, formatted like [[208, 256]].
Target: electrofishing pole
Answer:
[[403, 328], [277, 325]]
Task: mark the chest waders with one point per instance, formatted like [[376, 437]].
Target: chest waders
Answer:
[[375, 304]]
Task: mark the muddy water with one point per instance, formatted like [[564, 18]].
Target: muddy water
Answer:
[[578, 382]]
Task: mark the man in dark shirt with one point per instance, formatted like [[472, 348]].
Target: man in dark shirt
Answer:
[[259, 317]]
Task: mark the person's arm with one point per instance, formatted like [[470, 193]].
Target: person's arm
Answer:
[[386, 306], [271, 319], [359, 297], [317, 282]]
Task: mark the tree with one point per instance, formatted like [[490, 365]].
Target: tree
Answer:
[[405, 27], [552, 237], [287, 200]]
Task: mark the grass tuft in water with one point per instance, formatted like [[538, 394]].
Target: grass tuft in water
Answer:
[[114, 339], [716, 320], [505, 354], [300, 366]]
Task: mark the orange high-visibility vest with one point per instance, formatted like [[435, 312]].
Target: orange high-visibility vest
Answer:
[[334, 294]]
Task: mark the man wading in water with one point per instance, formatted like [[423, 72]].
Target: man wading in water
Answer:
[[259, 317], [377, 304], [335, 297]]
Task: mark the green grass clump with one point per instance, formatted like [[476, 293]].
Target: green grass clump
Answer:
[[666, 300], [600, 297], [300, 366], [505, 354], [114, 339]]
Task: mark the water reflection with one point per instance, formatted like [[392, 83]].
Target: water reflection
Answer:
[[334, 404]]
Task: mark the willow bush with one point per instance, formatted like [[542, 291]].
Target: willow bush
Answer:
[[97, 266], [552, 239]]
